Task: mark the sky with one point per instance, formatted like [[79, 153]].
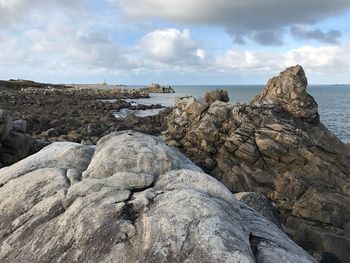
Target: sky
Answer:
[[174, 42]]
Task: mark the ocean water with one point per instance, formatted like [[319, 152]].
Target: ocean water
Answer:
[[333, 101]]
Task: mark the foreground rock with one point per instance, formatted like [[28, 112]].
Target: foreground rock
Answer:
[[132, 200], [275, 146], [156, 88]]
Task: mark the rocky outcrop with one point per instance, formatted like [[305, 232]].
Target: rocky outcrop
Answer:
[[156, 88], [133, 199], [276, 146], [289, 90], [14, 143]]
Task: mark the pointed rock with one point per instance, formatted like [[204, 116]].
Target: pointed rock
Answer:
[[288, 90]]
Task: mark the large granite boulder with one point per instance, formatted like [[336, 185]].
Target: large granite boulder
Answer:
[[133, 199], [276, 146]]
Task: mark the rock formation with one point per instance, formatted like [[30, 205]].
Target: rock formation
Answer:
[[289, 90], [156, 88], [14, 143], [133, 199], [276, 146]]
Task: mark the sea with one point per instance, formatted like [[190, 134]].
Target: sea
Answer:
[[333, 101]]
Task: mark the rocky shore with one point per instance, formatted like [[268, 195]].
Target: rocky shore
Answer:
[[277, 146], [61, 113], [256, 178]]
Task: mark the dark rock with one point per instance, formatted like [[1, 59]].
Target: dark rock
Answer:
[[14, 143], [19, 126], [56, 113]]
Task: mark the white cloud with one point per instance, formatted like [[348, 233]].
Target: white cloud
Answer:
[[254, 19], [12, 51], [171, 46], [313, 57], [249, 60], [83, 47], [328, 61], [331, 60]]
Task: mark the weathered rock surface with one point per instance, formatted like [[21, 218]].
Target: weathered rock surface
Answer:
[[133, 200], [156, 88], [275, 146], [261, 204]]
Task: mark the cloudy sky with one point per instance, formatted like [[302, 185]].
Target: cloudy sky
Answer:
[[173, 41]]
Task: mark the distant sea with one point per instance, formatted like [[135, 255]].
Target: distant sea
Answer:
[[333, 101]]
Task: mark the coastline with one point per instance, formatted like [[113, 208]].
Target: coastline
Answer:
[[273, 153]]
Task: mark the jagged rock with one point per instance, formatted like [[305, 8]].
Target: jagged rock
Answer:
[[277, 147], [289, 90], [57, 206]]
